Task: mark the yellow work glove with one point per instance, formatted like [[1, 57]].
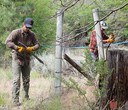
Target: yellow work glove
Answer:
[[20, 49], [30, 49], [111, 38]]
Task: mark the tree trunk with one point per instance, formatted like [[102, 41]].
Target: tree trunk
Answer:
[[118, 82]]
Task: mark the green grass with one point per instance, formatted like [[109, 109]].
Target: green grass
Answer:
[[53, 104], [3, 98], [50, 104], [6, 73], [35, 74]]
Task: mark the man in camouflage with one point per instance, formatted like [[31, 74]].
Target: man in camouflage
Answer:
[[21, 57]]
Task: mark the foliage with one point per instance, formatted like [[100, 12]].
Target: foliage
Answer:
[[78, 17], [5, 74], [3, 100], [72, 84], [117, 21], [7, 12], [82, 14], [53, 104], [93, 68], [98, 68], [12, 14], [43, 26]]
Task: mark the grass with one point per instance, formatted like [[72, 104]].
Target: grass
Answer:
[[42, 88], [35, 75], [35, 89], [53, 104], [3, 98], [6, 73]]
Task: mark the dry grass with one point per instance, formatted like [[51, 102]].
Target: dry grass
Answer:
[[72, 100], [42, 88]]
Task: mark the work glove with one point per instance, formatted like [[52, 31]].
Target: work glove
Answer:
[[111, 38], [30, 49], [20, 49]]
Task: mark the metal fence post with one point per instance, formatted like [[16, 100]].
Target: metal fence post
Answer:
[[58, 53], [98, 34]]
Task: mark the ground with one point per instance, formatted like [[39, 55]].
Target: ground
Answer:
[[41, 89]]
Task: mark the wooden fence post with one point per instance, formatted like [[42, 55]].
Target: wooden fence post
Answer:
[[118, 82]]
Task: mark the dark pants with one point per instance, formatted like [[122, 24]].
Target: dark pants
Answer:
[[19, 70]]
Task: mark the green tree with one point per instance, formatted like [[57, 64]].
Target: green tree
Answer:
[[40, 11], [13, 12], [118, 20], [44, 26], [7, 12]]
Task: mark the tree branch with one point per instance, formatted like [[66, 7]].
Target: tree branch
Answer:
[[114, 11], [99, 21], [71, 5]]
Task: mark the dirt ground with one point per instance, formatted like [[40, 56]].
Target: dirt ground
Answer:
[[41, 88]]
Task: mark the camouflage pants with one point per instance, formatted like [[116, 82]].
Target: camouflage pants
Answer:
[[18, 71]]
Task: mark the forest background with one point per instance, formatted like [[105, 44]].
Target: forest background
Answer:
[[77, 17]]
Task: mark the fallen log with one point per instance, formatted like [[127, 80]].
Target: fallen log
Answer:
[[76, 66]]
